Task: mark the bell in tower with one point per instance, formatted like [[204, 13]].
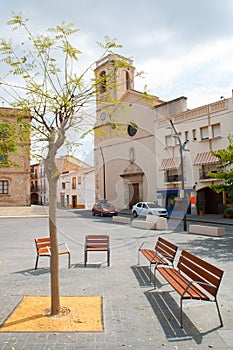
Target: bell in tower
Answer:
[[114, 76]]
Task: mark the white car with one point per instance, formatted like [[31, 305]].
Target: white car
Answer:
[[145, 208]]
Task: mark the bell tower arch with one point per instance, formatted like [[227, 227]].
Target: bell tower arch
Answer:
[[114, 75]]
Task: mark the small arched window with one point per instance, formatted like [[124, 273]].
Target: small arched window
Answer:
[[103, 81], [132, 128], [128, 81]]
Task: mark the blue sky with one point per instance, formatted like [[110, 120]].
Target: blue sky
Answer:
[[185, 47]]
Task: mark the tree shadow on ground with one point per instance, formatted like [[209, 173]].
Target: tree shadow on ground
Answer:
[[220, 248]]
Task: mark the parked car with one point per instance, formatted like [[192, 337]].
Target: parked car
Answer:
[[104, 208], [145, 208]]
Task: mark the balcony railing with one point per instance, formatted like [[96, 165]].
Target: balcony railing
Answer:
[[205, 175], [172, 178]]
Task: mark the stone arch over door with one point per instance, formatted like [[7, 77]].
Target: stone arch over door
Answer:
[[133, 184]]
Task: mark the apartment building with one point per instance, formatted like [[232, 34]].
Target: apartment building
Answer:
[[15, 177], [137, 153], [75, 187], [200, 130]]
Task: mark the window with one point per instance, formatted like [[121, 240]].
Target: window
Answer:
[[4, 187], [63, 185], [177, 139], [128, 81], [216, 130], [168, 141], [186, 136], [79, 180], [103, 81], [194, 134], [204, 133], [73, 183], [132, 129]]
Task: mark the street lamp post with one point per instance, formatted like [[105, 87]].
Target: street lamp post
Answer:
[[104, 173], [182, 194]]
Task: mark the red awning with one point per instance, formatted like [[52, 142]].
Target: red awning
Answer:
[[206, 158], [170, 163]]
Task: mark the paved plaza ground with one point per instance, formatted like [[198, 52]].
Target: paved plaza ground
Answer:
[[135, 315]]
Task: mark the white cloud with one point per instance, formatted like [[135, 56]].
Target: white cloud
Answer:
[[204, 68], [184, 46]]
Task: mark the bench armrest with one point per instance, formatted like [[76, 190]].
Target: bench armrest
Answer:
[[65, 245], [142, 245], [196, 282], [49, 250]]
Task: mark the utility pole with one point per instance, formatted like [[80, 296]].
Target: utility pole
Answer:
[[104, 173], [182, 194]]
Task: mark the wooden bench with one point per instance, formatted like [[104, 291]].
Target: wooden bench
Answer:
[[207, 230], [97, 243], [163, 253], [193, 278], [43, 248]]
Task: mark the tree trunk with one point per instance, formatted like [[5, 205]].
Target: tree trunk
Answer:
[[54, 261]]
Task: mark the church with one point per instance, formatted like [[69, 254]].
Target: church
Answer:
[[147, 149]]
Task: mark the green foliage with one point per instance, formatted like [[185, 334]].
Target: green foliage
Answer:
[[228, 211], [42, 69], [45, 66], [8, 143], [225, 173]]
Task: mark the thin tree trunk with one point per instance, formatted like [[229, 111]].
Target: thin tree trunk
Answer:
[[52, 176], [54, 261]]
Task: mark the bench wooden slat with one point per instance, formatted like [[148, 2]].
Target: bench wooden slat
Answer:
[[163, 254], [179, 283], [97, 243], [204, 271], [43, 245], [193, 278]]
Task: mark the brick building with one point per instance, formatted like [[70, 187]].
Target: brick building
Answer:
[[15, 173]]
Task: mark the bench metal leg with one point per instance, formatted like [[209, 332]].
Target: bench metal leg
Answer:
[[181, 313], [108, 257], [156, 265], [85, 258], [69, 260], [219, 315], [37, 258]]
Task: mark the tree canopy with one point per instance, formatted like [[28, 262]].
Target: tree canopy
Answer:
[[225, 169], [42, 79]]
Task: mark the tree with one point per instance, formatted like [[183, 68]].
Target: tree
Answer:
[[14, 136], [45, 84], [225, 173], [8, 142]]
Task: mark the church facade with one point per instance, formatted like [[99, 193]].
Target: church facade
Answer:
[[138, 141]]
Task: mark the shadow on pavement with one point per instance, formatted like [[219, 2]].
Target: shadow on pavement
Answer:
[[167, 311], [33, 272], [220, 248], [142, 273]]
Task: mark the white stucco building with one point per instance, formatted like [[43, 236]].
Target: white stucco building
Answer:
[[137, 156], [75, 187]]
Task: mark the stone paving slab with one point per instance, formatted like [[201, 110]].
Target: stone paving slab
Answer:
[[135, 315]]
